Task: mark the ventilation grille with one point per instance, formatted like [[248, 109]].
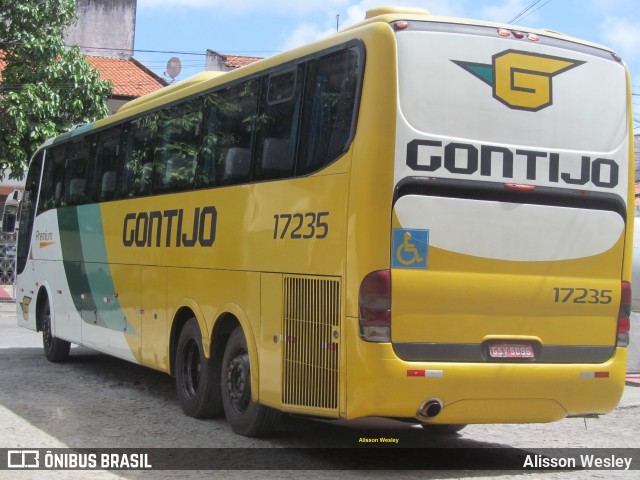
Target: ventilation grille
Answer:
[[310, 338]]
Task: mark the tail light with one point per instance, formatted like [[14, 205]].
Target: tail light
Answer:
[[374, 303], [624, 324]]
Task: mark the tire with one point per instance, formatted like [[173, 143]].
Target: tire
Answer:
[[244, 416], [197, 378], [442, 429], [55, 349]]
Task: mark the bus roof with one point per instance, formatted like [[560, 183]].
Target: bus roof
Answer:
[[382, 15], [163, 92], [394, 14]]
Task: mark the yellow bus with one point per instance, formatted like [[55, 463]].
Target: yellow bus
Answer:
[[420, 218]]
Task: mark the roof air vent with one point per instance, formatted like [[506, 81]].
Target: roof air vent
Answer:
[[376, 12]]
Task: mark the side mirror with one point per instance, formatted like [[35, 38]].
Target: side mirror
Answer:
[[10, 215]]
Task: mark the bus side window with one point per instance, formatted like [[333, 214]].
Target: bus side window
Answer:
[[126, 171], [329, 109], [178, 145], [27, 211], [53, 178], [106, 154], [135, 167], [227, 133], [206, 175], [277, 129], [76, 174]]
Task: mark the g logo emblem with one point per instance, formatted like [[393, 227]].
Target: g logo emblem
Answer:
[[521, 80]]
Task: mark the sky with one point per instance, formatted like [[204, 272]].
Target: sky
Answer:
[[187, 28]]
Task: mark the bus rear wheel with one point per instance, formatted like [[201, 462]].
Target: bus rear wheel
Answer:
[[197, 377], [245, 417], [55, 349]]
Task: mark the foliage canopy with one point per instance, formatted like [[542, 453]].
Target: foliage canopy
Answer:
[[45, 88]]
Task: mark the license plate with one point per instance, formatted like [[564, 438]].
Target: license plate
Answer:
[[511, 350]]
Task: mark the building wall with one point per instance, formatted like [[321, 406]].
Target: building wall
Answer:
[[106, 28], [215, 62], [114, 104]]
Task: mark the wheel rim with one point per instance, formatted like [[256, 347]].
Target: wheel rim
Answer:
[[239, 382], [46, 326], [191, 368]]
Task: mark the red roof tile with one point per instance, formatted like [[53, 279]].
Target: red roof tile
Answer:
[[129, 77], [237, 61], [3, 63]]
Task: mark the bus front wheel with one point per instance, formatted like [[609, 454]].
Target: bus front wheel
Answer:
[[55, 349], [245, 417], [197, 378]]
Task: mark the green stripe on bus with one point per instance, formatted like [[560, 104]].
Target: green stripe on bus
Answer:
[[87, 271]]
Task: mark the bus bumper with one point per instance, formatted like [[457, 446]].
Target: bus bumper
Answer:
[[380, 384]]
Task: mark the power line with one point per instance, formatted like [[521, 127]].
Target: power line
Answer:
[[530, 9], [169, 52], [524, 10], [531, 12]]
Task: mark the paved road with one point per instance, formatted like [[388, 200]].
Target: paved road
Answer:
[[100, 402]]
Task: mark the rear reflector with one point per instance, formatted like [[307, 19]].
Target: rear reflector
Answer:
[[624, 324], [594, 374], [519, 187], [374, 303], [425, 373]]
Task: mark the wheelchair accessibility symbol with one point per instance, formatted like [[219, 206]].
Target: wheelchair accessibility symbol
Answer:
[[410, 248]]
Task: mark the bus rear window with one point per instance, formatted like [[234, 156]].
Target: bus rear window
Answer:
[[330, 109]]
